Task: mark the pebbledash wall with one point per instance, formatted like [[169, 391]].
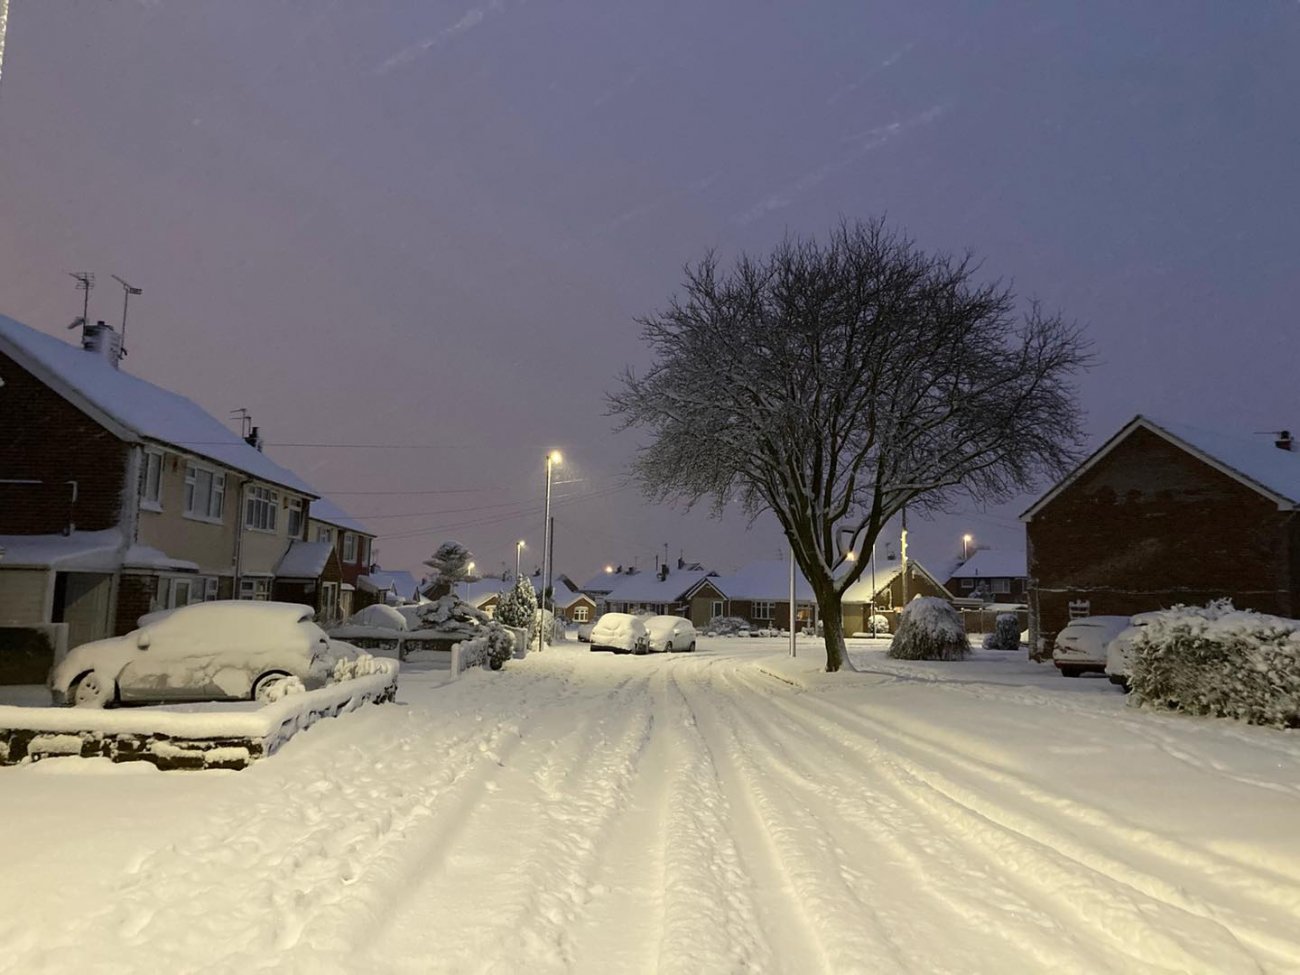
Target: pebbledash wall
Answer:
[[45, 438], [1150, 525]]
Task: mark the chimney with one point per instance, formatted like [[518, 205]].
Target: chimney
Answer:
[[681, 562], [254, 438], [663, 572], [1284, 440], [102, 340]]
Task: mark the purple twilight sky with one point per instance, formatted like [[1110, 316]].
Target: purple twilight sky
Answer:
[[430, 224]]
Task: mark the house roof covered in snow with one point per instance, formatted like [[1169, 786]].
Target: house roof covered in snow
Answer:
[[769, 579], [1253, 460], [479, 591], [132, 408], [400, 581], [323, 509], [304, 560], [990, 563], [648, 587], [99, 551]]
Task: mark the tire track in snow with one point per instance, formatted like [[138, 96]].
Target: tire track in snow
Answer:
[[1093, 878]]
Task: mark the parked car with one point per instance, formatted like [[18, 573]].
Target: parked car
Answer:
[[221, 650], [1080, 647], [1119, 652], [584, 632], [621, 633], [669, 634]]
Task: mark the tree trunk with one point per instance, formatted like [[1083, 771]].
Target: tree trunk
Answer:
[[828, 604]]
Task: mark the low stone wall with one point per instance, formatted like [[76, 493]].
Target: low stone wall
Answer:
[[183, 739]]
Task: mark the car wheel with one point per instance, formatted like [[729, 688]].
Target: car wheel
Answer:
[[1070, 671], [92, 690], [264, 685], [668, 647], [691, 648]]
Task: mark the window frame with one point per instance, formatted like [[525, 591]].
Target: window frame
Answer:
[[767, 605], [581, 614], [216, 493], [258, 498], [255, 588], [297, 509], [152, 454], [349, 542]]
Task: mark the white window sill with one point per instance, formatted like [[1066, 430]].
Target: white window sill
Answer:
[[260, 531], [151, 506], [188, 516]]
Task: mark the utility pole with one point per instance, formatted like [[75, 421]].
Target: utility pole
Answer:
[[4, 22], [903, 550], [792, 650]]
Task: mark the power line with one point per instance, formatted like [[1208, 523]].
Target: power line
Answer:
[[498, 519], [455, 511]]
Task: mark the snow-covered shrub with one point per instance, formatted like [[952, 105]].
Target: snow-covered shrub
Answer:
[[882, 625], [517, 606], [282, 688], [492, 646], [1006, 635], [727, 626], [363, 665], [378, 616], [451, 615], [552, 627], [1219, 661], [929, 629]]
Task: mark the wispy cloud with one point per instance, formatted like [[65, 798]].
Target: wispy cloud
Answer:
[[863, 143], [470, 19], [884, 65]]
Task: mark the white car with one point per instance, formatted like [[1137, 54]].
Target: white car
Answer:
[[621, 633], [1119, 652], [669, 634], [221, 650], [1080, 647]]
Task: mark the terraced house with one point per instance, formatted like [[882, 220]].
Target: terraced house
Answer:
[[119, 497]]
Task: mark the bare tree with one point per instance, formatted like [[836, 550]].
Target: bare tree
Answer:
[[833, 383]]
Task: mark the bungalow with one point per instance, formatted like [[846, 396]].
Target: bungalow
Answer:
[[1165, 513], [760, 594], [569, 604], [389, 586], [119, 497], [664, 592], [991, 575]]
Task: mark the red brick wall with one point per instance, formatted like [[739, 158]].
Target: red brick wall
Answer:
[[46, 438], [134, 598], [1150, 525]]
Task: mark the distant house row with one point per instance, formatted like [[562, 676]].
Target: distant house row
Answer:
[[119, 497]]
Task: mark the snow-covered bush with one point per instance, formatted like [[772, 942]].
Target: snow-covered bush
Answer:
[[552, 626], [450, 564], [493, 646], [1219, 661], [727, 626], [363, 665], [378, 616], [451, 615], [881, 627], [1006, 635], [517, 606], [929, 629], [282, 688]]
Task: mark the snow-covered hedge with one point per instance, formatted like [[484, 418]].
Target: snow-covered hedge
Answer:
[[929, 629], [1006, 636], [492, 647], [1219, 661], [727, 626], [882, 627]]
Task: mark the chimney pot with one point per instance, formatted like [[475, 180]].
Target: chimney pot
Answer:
[[1284, 440], [102, 340]]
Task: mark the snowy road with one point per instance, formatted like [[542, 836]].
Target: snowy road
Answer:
[[727, 811]]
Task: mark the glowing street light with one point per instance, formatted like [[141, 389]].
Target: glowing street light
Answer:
[[552, 459], [965, 547], [519, 547]]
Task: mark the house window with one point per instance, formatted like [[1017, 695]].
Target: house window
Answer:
[[365, 550], [324, 534], [717, 609], [764, 610], [349, 547], [209, 588], [295, 518], [180, 592], [260, 508], [329, 601], [1001, 585], [151, 480], [205, 493], [255, 587], [1079, 608], [580, 614], [967, 584]]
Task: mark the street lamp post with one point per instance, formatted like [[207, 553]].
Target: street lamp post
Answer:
[[553, 458], [519, 547], [965, 547]]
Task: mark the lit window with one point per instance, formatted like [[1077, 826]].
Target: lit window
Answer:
[[580, 614], [260, 508], [205, 492]]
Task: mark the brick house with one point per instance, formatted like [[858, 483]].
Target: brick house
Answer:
[[351, 542], [665, 592], [570, 604], [760, 593], [1163, 513], [118, 497], [992, 576]]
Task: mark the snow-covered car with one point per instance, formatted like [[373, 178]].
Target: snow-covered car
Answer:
[[670, 634], [621, 633], [1080, 647], [1119, 652], [584, 632], [222, 650]]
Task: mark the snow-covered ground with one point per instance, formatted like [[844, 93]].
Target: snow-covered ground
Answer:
[[730, 810]]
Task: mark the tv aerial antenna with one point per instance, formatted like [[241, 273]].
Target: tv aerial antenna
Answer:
[[85, 281], [127, 291]]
